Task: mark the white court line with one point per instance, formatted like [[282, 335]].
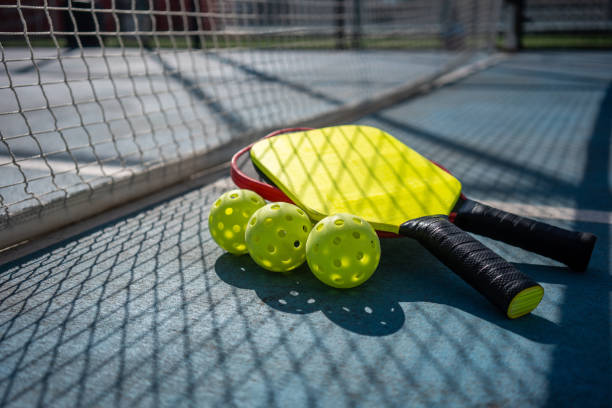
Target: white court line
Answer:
[[551, 212], [64, 168]]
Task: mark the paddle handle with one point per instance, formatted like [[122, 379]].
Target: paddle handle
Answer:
[[572, 248], [483, 269]]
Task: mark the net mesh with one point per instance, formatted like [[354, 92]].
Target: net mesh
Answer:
[[105, 100]]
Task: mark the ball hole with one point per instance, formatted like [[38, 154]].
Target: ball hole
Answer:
[[271, 249], [229, 211], [357, 221], [245, 214], [257, 238], [337, 279], [236, 228], [282, 233], [357, 276], [255, 200], [356, 235], [337, 263], [268, 222], [359, 256], [320, 227], [218, 203], [289, 218], [339, 223], [275, 207], [286, 261], [234, 196], [239, 247], [316, 248], [253, 221], [300, 211], [337, 241], [220, 225], [304, 228], [372, 244], [297, 243]]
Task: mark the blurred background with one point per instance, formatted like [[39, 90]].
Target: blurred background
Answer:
[[338, 23]]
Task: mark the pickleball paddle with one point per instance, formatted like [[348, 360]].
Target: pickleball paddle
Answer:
[[365, 171], [572, 248]]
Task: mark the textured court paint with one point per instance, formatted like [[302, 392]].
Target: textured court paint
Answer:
[[356, 170], [553, 213], [148, 311]]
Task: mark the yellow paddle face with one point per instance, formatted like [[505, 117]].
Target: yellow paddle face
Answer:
[[359, 170]]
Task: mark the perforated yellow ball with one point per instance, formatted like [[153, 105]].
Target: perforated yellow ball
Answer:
[[343, 251], [276, 236], [229, 216]]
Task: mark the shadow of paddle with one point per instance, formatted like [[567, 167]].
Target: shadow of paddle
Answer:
[[407, 277]]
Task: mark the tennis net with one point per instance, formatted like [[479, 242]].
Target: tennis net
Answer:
[[104, 101]]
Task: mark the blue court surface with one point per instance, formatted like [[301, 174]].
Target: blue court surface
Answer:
[[146, 310]]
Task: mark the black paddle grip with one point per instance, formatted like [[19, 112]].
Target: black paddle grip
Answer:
[[483, 269], [572, 248]]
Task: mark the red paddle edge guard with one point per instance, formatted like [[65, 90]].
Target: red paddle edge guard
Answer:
[[274, 194]]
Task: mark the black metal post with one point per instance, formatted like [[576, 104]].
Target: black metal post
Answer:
[[340, 17], [356, 39]]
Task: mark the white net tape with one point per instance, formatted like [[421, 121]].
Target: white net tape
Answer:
[[105, 100]]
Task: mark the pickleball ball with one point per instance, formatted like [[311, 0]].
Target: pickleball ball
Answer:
[[228, 218], [343, 250], [276, 236]]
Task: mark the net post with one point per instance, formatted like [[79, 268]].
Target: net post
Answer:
[[339, 9], [356, 34]]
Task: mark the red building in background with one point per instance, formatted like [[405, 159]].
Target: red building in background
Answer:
[[96, 19]]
